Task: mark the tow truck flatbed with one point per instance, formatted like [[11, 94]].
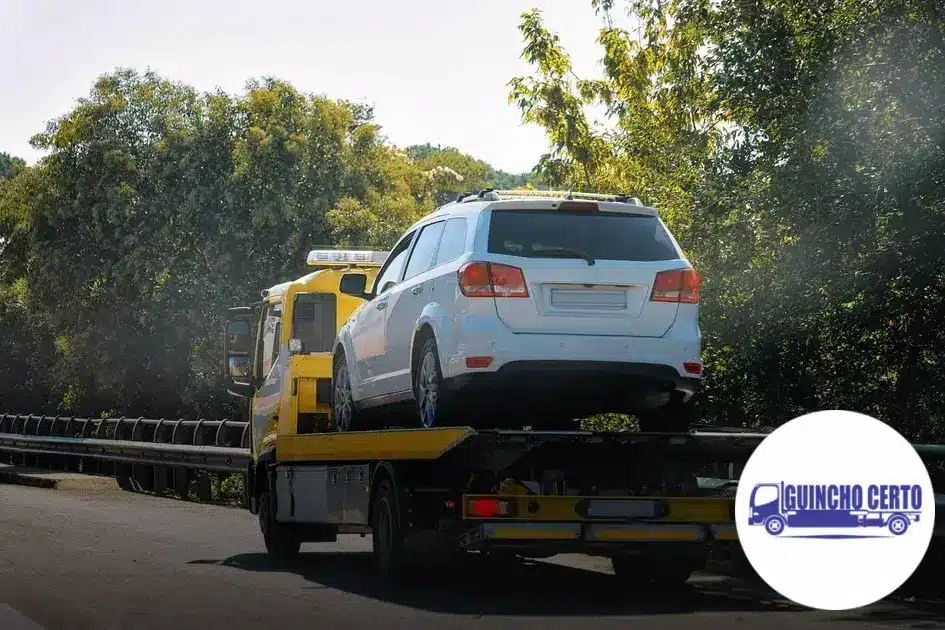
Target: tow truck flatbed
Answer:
[[619, 494], [431, 444]]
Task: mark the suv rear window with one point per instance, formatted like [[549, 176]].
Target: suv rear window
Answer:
[[600, 235]]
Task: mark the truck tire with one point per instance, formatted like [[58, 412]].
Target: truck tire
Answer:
[[898, 524], [774, 525], [651, 575], [387, 533], [281, 540]]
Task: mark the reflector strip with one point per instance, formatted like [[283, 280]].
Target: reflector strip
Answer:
[[645, 533], [623, 509], [724, 532], [532, 531]]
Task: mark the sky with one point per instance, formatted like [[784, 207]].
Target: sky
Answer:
[[435, 70]]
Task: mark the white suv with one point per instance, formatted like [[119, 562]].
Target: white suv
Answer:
[[511, 308]]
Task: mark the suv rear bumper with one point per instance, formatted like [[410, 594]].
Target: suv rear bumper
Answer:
[[478, 336], [574, 388]]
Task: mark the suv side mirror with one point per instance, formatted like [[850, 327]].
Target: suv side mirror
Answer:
[[354, 284], [238, 352]]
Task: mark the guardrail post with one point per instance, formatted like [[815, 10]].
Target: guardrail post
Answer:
[[204, 483], [143, 474], [84, 431], [124, 473], [205, 487], [181, 481], [72, 464], [43, 461], [161, 473], [32, 461]]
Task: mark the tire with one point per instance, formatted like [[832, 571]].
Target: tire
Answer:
[[898, 525], [344, 413], [281, 540], [774, 525], [645, 574], [673, 417], [432, 399], [387, 534]]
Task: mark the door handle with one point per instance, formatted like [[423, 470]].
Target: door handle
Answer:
[[381, 305], [417, 290]]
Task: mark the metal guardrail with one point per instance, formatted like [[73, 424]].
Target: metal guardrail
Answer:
[[211, 458], [141, 453], [228, 433]]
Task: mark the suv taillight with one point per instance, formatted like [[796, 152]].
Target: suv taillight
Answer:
[[676, 285], [483, 279]]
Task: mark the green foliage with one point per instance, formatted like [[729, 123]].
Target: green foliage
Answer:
[[157, 208], [9, 165], [795, 149]]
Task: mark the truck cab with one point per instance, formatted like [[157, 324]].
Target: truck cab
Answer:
[[278, 351]]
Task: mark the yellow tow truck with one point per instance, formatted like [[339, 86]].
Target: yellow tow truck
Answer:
[[629, 496]]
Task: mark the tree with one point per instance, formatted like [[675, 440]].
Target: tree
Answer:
[[795, 150], [9, 165], [156, 209]]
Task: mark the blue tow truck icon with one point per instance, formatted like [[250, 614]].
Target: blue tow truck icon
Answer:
[[777, 506]]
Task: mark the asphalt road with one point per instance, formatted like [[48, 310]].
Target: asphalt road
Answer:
[[74, 560]]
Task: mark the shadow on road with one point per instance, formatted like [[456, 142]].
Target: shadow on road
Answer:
[[478, 586], [908, 615]]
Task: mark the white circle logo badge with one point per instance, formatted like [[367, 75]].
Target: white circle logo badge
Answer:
[[835, 510]]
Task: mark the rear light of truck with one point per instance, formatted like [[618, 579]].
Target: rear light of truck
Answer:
[[484, 279], [489, 508], [676, 285]]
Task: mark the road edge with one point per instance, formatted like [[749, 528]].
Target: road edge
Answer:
[[53, 480]]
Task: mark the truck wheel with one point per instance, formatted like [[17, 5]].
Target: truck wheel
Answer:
[[433, 400], [280, 538], [388, 538], [649, 575], [344, 413], [774, 525], [898, 524]]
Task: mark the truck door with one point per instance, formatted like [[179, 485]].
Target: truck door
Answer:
[[269, 368]]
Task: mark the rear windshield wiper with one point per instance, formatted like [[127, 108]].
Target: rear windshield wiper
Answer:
[[565, 252]]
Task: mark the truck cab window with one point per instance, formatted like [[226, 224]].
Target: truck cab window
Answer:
[[314, 321], [272, 328]]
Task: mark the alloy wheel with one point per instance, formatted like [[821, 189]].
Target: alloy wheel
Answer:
[[342, 403], [427, 386]]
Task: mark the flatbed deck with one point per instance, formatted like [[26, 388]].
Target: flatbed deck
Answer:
[[530, 493], [432, 444]]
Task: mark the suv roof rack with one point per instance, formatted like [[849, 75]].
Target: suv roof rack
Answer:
[[491, 194], [564, 194]]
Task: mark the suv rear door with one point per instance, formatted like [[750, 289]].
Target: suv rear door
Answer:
[[589, 269]]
